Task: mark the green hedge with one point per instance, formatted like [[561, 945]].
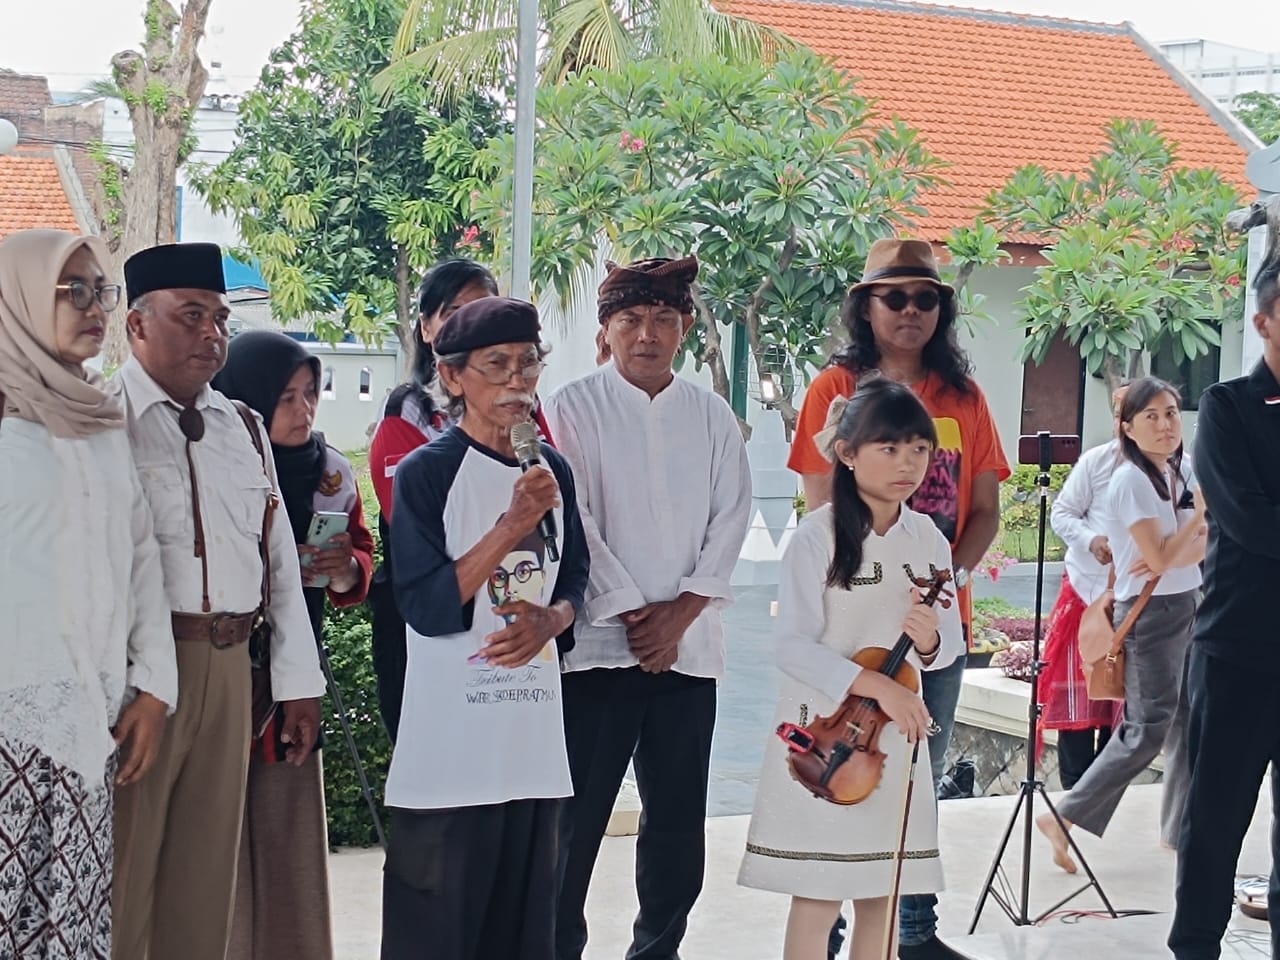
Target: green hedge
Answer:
[[347, 635]]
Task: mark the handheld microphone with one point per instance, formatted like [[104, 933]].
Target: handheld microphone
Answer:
[[524, 437]]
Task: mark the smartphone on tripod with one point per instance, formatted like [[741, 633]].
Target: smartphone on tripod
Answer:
[[1045, 449]]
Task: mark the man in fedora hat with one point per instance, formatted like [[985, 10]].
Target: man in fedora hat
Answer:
[[664, 489], [211, 492], [900, 319]]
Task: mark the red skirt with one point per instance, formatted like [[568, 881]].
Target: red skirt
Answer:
[[1065, 700]]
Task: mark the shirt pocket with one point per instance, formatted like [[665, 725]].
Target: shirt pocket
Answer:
[[244, 492], [169, 500]]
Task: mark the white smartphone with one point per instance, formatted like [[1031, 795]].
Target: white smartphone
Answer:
[[324, 525]]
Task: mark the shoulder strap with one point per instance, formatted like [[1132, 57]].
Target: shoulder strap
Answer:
[[1132, 617], [273, 501], [1, 406]]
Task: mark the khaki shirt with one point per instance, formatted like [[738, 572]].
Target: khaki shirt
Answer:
[[233, 493]]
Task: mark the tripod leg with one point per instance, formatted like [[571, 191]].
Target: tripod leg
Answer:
[[338, 704], [1024, 803], [1093, 880]]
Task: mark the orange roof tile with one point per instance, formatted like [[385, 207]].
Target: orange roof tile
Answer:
[[32, 195], [992, 92]]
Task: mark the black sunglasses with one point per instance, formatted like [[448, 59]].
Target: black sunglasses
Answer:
[[897, 300]]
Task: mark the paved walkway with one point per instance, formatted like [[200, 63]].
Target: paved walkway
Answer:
[[733, 923]]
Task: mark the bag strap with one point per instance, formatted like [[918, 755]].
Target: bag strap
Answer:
[[1131, 617], [264, 550]]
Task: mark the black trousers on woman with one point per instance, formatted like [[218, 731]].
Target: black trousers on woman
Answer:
[[664, 721]]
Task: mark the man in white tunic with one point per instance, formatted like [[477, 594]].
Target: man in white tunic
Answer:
[[178, 831], [664, 490]]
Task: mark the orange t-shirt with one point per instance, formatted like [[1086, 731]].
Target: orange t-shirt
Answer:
[[968, 446]]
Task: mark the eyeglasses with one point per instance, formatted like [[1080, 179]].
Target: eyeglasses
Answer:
[[897, 300], [499, 373], [83, 295], [523, 572]]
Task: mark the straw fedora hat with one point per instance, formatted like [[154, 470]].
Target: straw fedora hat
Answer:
[[895, 261]]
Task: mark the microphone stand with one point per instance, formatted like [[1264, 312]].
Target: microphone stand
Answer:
[[1031, 784]]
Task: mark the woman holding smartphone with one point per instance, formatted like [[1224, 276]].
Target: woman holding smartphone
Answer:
[[1156, 530], [282, 895]]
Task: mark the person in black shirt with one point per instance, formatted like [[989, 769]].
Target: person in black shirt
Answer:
[[1234, 673]]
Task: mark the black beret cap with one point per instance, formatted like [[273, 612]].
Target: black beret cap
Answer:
[[486, 322], [174, 266]]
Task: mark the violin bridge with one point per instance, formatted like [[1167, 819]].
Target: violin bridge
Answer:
[[854, 729]]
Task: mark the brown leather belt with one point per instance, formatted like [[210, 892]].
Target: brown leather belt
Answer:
[[220, 629]]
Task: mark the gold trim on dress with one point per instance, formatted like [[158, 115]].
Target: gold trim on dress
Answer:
[[877, 574], [839, 857]]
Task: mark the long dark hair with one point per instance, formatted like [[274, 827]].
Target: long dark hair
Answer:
[[941, 355], [1136, 399], [439, 286], [879, 411]]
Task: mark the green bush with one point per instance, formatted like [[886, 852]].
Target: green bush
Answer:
[[347, 636], [1020, 513]]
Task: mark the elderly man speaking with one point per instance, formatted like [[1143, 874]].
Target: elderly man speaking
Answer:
[[490, 564], [665, 495]]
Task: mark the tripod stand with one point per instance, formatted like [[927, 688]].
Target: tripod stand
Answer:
[[1031, 784], [341, 709]]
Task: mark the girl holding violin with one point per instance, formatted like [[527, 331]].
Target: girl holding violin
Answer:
[[851, 584]]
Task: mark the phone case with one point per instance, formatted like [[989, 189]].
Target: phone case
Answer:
[[323, 526]]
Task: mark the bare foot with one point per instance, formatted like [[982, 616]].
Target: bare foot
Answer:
[[1058, 839]]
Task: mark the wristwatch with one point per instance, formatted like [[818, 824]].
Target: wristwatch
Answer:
[[960, 578]]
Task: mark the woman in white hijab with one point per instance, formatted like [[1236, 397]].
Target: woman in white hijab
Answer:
[[86, 623]]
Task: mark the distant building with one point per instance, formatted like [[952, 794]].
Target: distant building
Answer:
[[1225, 72]]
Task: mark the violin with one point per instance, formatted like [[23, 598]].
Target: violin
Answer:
[[838, 758]]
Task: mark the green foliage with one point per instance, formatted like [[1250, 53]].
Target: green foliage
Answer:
[[1138, 254], [1260, 112], [348, 638], [463, 46], [112, 180], [343, 196], [778, 177], [1020, 513]]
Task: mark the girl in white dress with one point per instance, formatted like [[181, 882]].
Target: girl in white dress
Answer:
[[847, 585]]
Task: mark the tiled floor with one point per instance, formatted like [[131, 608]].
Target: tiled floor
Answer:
[[733, 923]]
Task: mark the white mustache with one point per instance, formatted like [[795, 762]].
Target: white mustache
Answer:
[[514, 397]]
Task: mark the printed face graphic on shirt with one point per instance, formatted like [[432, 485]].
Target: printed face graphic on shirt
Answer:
[[520, 575], [939, 495]]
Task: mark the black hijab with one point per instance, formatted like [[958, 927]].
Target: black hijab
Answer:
[[260, 364]]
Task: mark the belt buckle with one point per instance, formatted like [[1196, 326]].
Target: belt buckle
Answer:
[[214, 626]]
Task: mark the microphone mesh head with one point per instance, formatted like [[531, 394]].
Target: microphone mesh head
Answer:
[[524, 437]]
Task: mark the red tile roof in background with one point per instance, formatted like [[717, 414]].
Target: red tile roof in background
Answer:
[[994, 91], [32, 195]]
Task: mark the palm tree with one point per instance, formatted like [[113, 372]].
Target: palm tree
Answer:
[[460, 46]]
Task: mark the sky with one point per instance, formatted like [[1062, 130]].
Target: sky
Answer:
[[71, 41]]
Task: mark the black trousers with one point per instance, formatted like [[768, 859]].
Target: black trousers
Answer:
[[1232, 735], [665, 722], [1076, 750], [471, 883]]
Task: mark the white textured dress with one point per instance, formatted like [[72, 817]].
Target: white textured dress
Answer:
[[808, 847]]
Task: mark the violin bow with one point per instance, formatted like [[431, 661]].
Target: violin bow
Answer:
[[890, 927]]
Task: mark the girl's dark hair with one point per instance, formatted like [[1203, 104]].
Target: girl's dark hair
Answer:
[[879, 411], [1136, 399], [941, 355], [439, 286]]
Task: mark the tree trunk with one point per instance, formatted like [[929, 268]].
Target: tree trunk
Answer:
[[752, 322], [713, 356], [162, 87]]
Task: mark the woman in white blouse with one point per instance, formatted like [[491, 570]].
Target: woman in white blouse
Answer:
[[1081, 518], [1157, 530], [87, 623]]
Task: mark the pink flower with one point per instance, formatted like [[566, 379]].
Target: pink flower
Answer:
[[1233, 280], [470, 237], [626, 140], [475, 194], [637, 145]]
